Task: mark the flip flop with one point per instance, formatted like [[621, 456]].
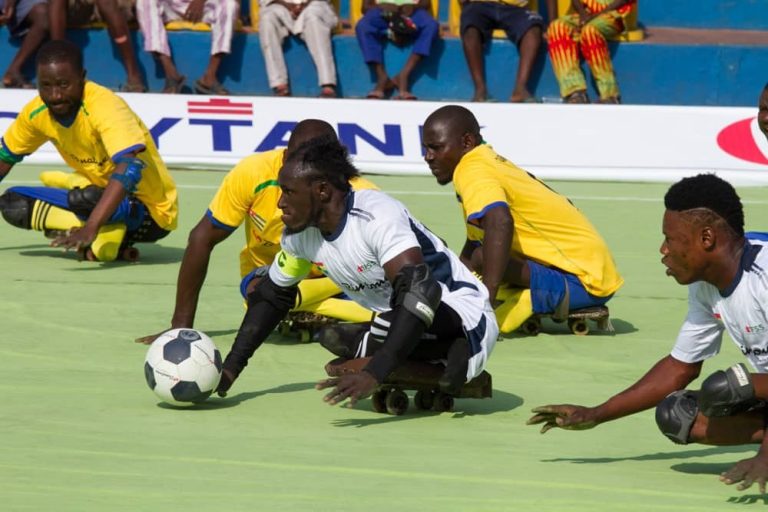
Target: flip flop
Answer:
[[133, 88], [214, 89], [173, 85], [376, 95], [406, 96]]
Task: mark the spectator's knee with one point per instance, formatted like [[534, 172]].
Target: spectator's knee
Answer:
[[676, 415], [38, 17]]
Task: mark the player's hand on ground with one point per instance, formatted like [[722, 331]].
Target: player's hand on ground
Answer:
[[565, 416], [747, 472], [353, 386], [226, 381], [77, 239], [148, 340]]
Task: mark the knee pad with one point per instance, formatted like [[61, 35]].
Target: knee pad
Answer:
[[17, 209], [725, 393], [676, 414], [82, 201], [417, 291], [281, 299]]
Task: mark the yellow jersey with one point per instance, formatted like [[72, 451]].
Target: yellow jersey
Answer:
[[250, 191], [104, 129], [548, 228]]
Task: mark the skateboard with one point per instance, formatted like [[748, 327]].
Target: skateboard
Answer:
[[578, 321], [422, 377], [303, 324]]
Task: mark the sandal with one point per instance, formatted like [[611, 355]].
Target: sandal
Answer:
[[133, 88], [328, 91], [406, 96], [17, 82], [215, 88], [282, 90], [376, 94], [577, 97], [173, 85]]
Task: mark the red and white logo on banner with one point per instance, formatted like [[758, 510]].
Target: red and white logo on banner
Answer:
[[741, 141]]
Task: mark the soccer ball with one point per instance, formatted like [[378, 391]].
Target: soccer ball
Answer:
[[183, 366]]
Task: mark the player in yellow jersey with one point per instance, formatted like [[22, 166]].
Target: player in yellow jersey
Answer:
[[249, 194], [120, 192], [537, 253]]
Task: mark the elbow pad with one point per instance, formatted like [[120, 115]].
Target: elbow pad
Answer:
[[132, 175]]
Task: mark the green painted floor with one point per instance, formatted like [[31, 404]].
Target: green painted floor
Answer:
[[80, 430]]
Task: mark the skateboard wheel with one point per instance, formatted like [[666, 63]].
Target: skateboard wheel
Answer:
[[397, 402], [532, 326], [443, 403], [379, 400], [129, 254], [424, 400], [578, 326]]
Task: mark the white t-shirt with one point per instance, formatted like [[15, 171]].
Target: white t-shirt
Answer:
[[741, 311], [375, 229]]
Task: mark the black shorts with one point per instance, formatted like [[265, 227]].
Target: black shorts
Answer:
[[488, 16]]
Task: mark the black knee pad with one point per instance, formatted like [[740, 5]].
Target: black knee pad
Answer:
[[727, 392], [417, 291], [341, 339], [82, 201], [17, 209], [676, 414]]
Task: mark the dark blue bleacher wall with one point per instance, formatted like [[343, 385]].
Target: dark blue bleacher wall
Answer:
[[705, 14], [648, 72]]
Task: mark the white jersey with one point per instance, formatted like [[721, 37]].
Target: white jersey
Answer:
[[741, 310], [375, 229]]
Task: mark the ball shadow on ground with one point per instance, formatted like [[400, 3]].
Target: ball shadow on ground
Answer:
[[215, 402], [464, 407]]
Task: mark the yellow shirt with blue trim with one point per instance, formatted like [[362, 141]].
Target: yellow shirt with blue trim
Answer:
[[250, 192], [104, 129], [548, 228]]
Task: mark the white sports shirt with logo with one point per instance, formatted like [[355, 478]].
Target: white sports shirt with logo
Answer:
[[375, 229], [741, 310]]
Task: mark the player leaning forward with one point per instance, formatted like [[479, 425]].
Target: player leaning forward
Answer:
[[383, 259], [120, 192], [706, 248]]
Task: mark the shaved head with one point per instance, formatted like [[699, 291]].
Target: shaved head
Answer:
[[458, 120], [307, 130]]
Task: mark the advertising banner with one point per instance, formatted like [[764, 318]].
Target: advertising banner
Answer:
[[592, 142]]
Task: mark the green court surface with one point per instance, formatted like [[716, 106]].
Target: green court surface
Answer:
[[81, 431]]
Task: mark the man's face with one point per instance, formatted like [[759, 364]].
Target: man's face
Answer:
[[297, 201], [443, 150], [682, 251], [762, 114], [61, 88]]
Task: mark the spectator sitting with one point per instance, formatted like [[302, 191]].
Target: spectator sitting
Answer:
[[313, 22], [523, 27], [402, 21], [28, 20], [115, 13], [586, 29], [219, 14]]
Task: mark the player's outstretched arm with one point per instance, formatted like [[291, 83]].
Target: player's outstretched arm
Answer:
[[666, 376], [194, 267]]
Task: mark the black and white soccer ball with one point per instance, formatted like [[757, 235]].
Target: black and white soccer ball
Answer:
[[183, 366]]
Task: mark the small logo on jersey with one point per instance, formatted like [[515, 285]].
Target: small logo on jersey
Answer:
[[365, 266], [754, 329], [257, 219], [320, 266], [364, 286], [281, 259], [755, 351], [717, 316]]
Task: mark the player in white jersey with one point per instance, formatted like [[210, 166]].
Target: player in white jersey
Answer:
[[705, 247], [431, 306]]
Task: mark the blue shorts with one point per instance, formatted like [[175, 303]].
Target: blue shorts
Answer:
[[548, 290], [18, 25], [488, 16]]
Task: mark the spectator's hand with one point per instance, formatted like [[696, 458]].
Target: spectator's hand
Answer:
[[77, 238], [566, 416], [352, 385], [6, 15], [148, 340], [194, 12], [747, 472]]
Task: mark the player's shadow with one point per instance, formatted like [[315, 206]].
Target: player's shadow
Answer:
[[151, 254], [748, 499], [293, 387], [464, 407], [683, 454]]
